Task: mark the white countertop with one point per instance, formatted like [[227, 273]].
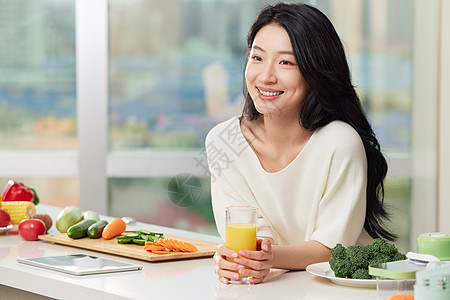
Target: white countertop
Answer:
[[183, 279]]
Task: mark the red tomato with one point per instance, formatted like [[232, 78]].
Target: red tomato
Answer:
[[29, 229], [4, 218]]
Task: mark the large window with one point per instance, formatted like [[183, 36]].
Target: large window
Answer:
[[38, 98], [37, 77], [106, 104], [176, 69]]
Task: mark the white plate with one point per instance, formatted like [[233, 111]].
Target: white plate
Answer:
[[4, 230], [323, 270]]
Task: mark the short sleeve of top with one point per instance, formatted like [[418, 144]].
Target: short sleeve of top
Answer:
[[320, 195]]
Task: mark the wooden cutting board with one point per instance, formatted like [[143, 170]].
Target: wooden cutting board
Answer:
[[205, 248]]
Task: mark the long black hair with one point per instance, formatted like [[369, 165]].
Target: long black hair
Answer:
[[331, 96]]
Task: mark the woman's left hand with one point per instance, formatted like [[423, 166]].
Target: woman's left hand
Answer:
[[258, 263]]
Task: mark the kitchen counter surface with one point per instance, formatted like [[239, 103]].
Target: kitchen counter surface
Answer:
[[183, 279]]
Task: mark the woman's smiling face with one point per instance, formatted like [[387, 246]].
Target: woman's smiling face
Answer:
[[272, 75]]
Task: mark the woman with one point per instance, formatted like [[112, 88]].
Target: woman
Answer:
[[302, 152]]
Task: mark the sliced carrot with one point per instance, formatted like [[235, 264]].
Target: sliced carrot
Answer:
[[161, 252], [151, 243], [181, 246], [167, 244], [190, 246], [401, 297], [163, 244], [114, 228], [176, 245], [173, 245], [154, 247]]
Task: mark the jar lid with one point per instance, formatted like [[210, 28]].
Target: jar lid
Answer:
[[434, 243]]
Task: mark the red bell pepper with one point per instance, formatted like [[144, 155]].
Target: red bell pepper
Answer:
[[17, 191]]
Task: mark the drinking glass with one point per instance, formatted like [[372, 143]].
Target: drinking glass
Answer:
[[241, 231]]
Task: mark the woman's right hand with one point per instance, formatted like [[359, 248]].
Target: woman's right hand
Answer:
[[226, 270]]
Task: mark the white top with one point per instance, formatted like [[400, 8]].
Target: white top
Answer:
[[320, 195]]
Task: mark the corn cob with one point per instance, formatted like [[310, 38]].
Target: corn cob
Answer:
[[19, 210]]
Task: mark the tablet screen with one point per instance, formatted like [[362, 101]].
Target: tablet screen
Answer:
[[79, 264]]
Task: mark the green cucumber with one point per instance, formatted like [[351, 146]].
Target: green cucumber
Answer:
[[95, 230], [79, 230]]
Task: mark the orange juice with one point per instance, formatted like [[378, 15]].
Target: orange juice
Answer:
[[240, 233], [241, 237]]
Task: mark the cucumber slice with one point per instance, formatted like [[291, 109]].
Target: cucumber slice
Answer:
[[139, 237], [139, 242], [125, 240], [132, 235], [144, 237]]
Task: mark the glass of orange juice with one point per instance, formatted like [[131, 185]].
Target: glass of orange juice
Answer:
[[241, 231]]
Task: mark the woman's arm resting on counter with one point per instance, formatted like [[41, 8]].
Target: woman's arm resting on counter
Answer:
[[288, 257], [299, 256]]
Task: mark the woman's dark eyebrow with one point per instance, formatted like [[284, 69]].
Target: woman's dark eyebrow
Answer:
[[280, 52]]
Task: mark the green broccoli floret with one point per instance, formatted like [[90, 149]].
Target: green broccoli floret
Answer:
[[354, 261], [339, 262], [341, 267], [362, 274], [379, 258], [380, 246], [339, 251], [384, 252], [377, 245], [399, 256], [359, 256]]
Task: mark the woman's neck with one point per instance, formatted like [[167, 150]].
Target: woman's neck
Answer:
[[275, 141], [282, 131]]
